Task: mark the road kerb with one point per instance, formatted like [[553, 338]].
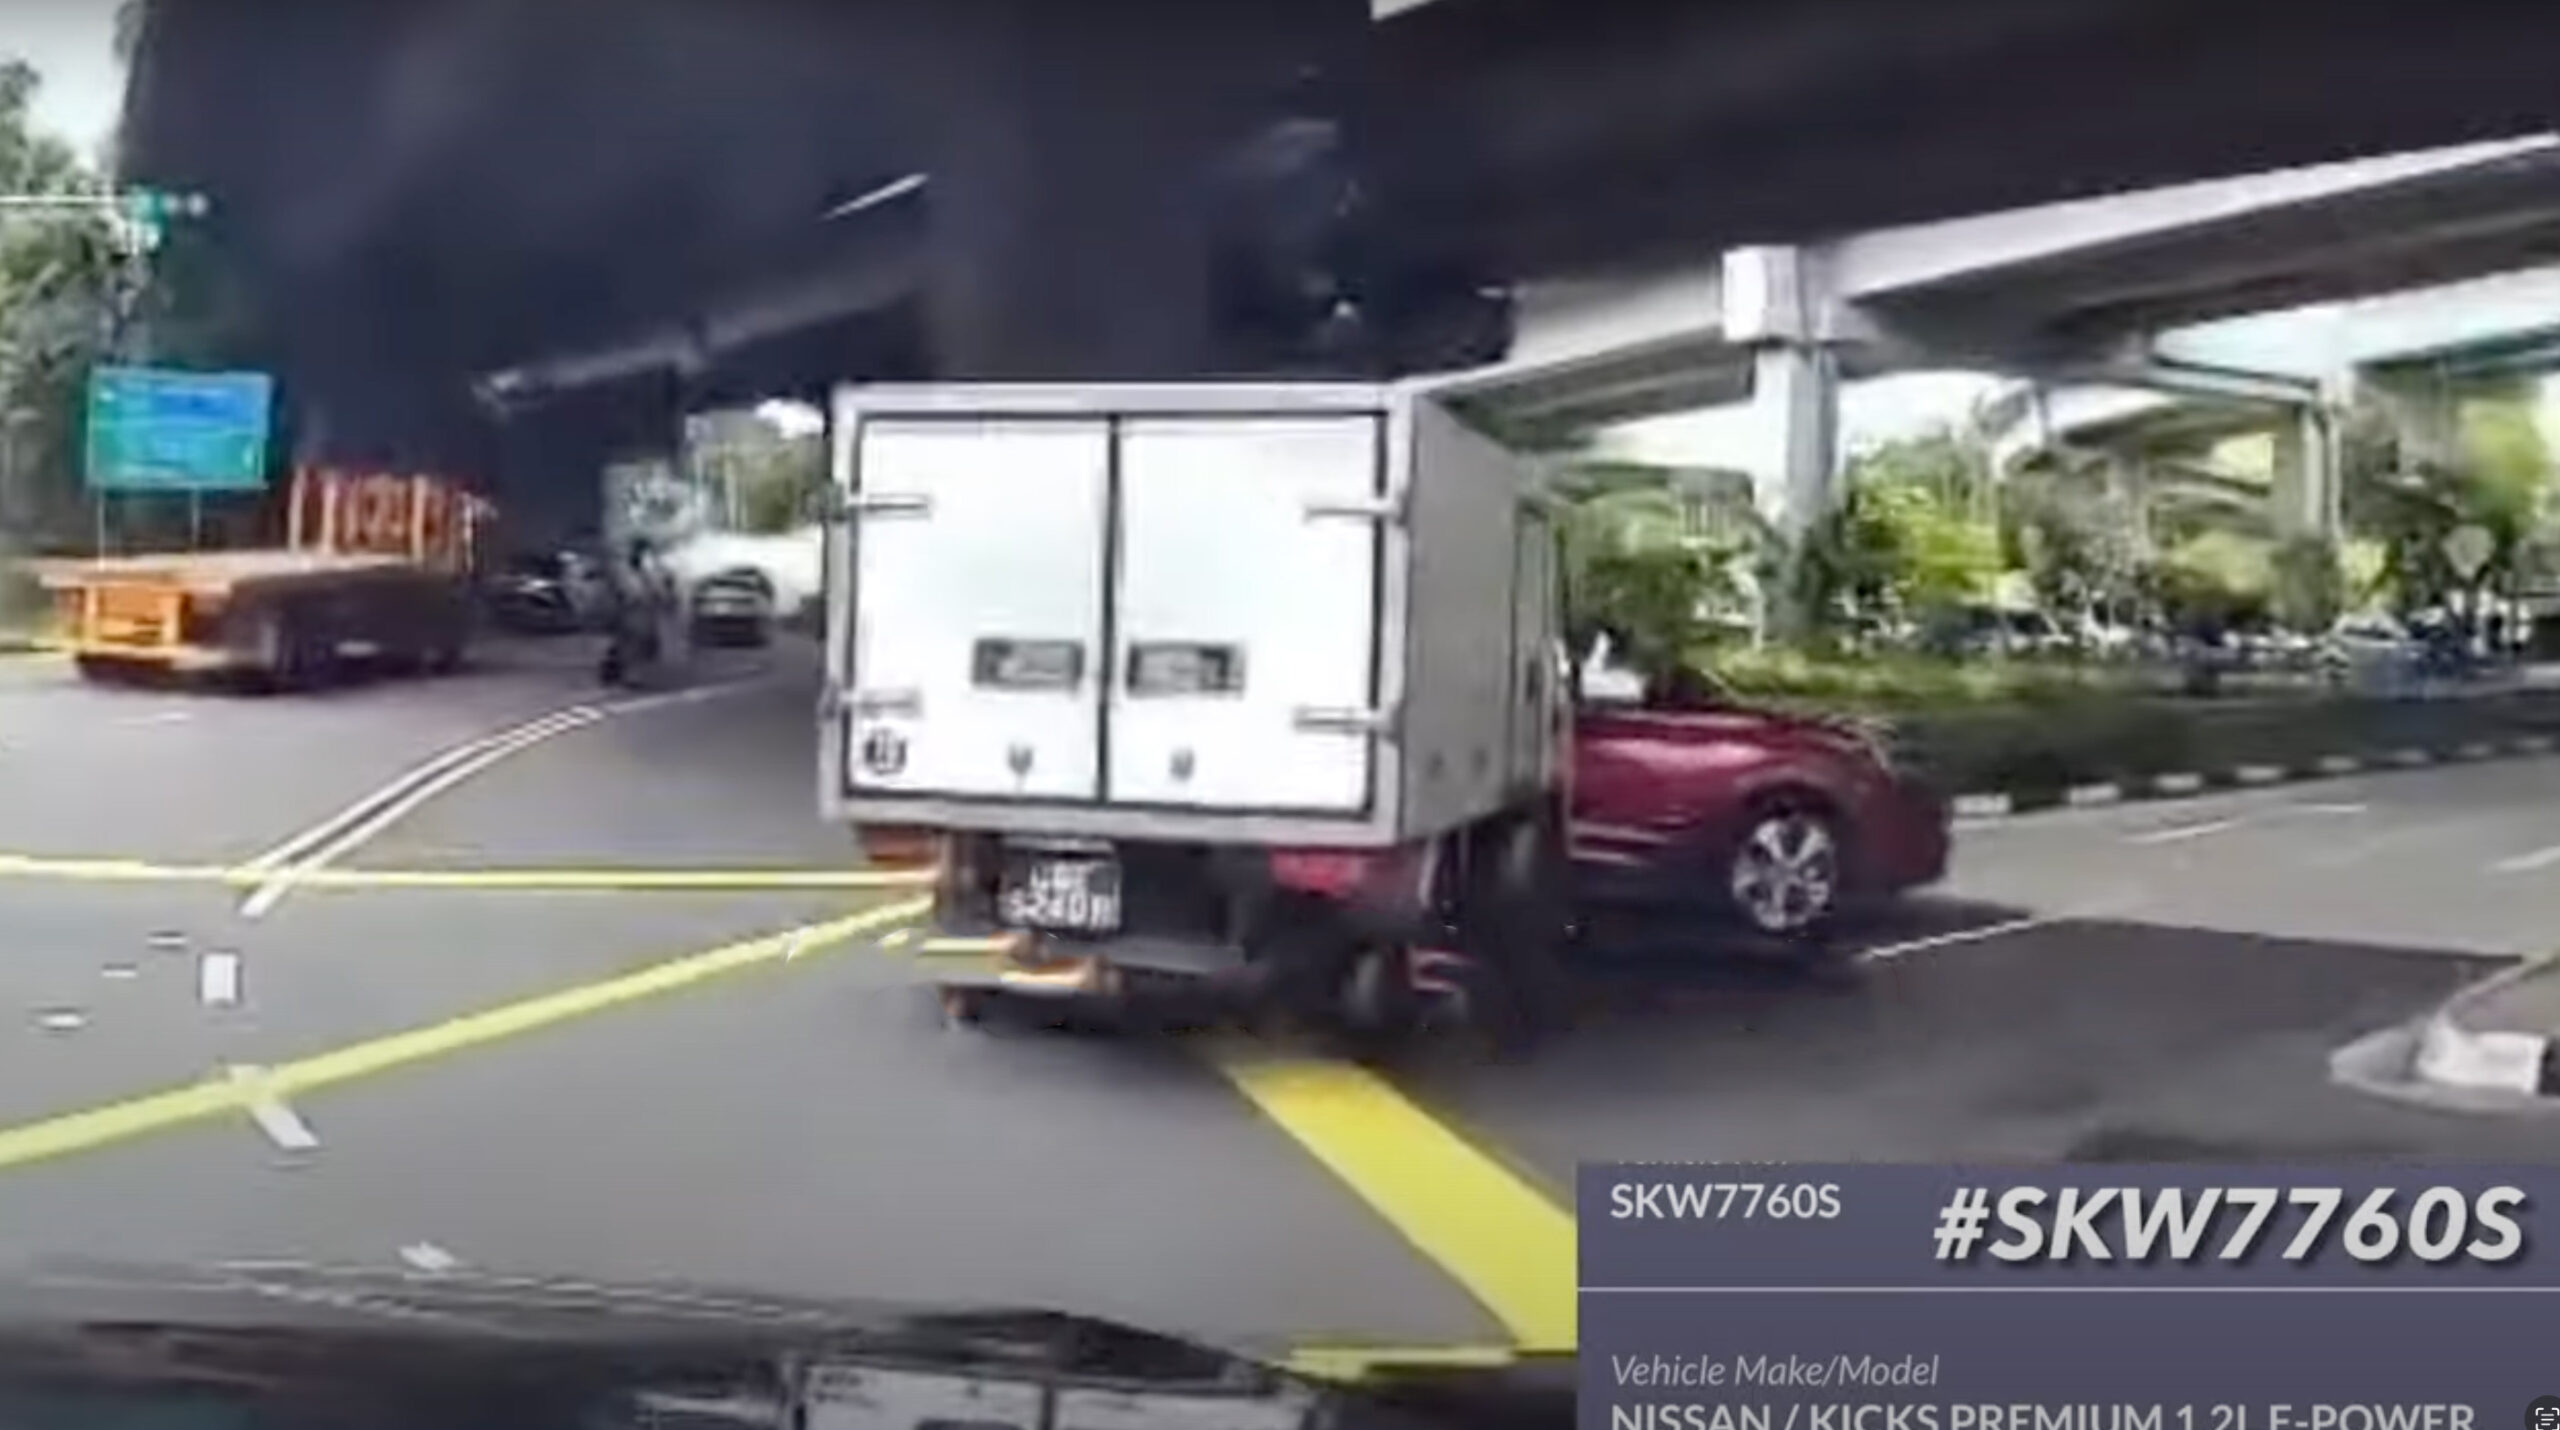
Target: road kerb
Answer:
[[1484, 1225], [161, 1111]]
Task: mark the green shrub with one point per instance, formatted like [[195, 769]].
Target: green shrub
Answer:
[[1891, 683]]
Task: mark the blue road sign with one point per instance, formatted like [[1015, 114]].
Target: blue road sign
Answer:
[[161, 430]]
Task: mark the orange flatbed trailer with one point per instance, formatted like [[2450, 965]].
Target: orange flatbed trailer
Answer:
[[374, 568]]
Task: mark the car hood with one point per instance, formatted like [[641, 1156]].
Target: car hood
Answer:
[[298, 1333]]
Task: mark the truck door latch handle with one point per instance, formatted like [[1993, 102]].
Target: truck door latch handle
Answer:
[[888, 702], [1314, 721]]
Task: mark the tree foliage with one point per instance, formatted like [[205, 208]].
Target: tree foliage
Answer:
[[1904, 541], [58, 276], [1633, 569], [2409, 503]]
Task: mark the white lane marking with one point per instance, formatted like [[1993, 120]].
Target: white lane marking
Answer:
[[293, 848], [1888, 952], [371, 817], [62, 1020], [274, 1116], [2331, 808], [119, 972], [218, 979], [2178, 832], [428, 1257], [2526, 863], [157, 717]]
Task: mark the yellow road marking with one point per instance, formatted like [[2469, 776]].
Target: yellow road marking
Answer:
[[1482, 1224], [136, 871], [156, 1112]]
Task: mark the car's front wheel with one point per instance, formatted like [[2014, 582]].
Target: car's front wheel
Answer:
[[1783, 879]]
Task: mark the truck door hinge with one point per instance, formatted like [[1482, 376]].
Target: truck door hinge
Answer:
[[880, 504], [1389, 510]]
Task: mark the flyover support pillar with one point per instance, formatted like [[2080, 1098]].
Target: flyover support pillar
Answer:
[[1773, 303], [1795, 397], [2306, 485]]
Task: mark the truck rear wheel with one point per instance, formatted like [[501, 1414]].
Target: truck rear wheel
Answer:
[[1514, 920]]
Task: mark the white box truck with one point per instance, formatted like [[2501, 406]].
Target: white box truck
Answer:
[[1258, 684]]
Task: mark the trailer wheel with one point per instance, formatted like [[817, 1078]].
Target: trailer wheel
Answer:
[[445, 657], [276, 653]]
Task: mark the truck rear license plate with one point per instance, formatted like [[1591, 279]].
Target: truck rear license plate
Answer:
[[1062, 893]]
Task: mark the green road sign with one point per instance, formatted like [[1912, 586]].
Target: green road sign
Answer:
[[160, 430]]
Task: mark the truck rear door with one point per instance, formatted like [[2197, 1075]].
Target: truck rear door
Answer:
[[1245, 612], [978, 600]]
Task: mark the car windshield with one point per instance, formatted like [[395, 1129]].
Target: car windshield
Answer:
[[904, 652]]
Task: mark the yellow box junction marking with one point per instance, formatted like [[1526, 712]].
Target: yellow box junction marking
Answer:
[[1481, 1223], [602, 880], [155, 1112]]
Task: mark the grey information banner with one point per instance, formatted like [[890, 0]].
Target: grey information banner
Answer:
[[2366, 1296]]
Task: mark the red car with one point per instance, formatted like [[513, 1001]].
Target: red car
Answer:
[[1783, 823]]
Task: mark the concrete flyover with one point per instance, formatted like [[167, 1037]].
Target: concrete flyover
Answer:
[[2079, 289], [2410, 351], [359, 161]]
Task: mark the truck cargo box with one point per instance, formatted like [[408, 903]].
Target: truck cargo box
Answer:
[[1273, 613]]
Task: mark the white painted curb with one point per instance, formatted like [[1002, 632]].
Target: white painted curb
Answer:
[[2085, 796], [2448, 1056], [2178, 783]]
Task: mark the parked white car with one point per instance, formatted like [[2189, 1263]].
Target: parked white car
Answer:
[[792, 564]]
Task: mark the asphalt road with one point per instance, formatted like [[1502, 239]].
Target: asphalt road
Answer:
[[630, 1086]]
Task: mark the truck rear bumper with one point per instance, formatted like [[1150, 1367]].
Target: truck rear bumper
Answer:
[[962, 954]]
